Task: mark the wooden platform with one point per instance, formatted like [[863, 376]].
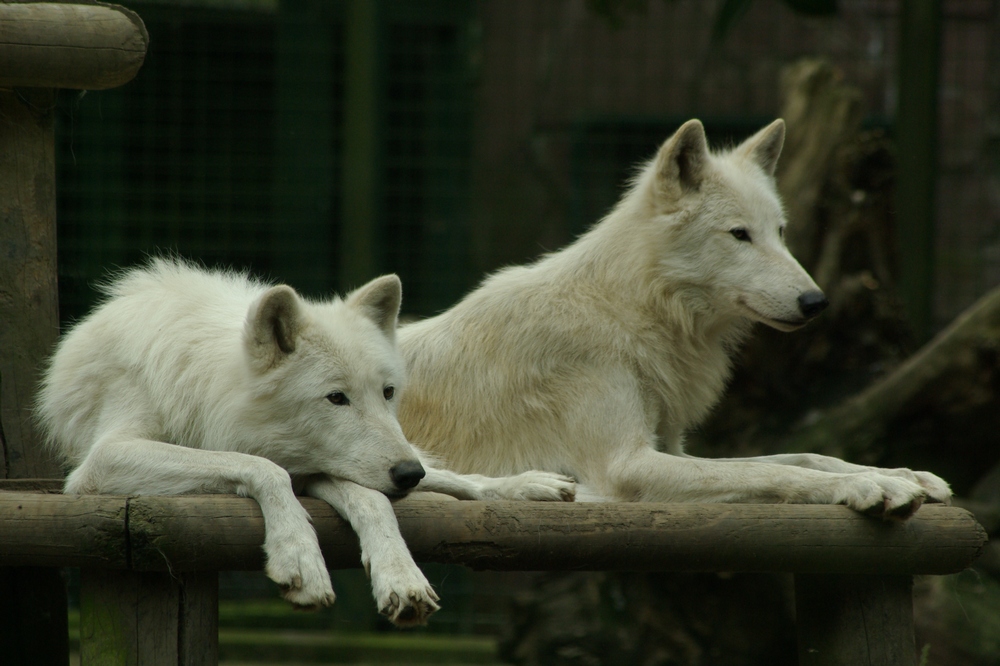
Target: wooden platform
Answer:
[[149, 564]]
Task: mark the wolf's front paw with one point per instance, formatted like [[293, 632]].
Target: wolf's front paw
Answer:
[[401, 591], [297, 565], [937, 488], [534, 485], [881, 495]]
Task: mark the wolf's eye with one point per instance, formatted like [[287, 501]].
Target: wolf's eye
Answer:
[[388, 392], [740, 234], [781, 232], [338, 398]]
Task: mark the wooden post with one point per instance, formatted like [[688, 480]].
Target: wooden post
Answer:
[[130, 618], [198, 630], [33, 616], [855, 620], [29, 312], [43, 46]]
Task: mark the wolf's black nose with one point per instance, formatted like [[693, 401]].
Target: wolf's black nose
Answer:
[[407, 474], [812, 303]]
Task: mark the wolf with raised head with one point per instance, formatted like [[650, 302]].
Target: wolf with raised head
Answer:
[[193, 381], [594, 361]]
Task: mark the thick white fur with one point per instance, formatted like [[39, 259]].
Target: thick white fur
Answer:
[[594, 361], [187, 380]]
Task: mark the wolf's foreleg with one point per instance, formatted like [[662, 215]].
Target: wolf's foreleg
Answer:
[[400, 588], [649, 475], [122, 465], [531, 485], [937, 488]]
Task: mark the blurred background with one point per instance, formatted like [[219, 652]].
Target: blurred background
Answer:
[[324, 142]]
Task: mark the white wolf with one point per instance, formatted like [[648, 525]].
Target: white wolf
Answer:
[[187, 380], [594, 361]]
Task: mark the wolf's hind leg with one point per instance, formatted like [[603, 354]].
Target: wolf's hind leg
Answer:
[[123, 465], [399, 587]]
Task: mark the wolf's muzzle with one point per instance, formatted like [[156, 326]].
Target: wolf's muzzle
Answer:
[[811, 303], [407, 474]]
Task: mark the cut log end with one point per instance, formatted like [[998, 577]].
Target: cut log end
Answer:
[[85, 47]]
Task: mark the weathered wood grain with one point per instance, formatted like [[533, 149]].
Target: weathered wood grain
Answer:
[[85, 46], [29, 318], [49, 530], [131, 618], [225, 532], [128, 618], [198, 624], [688, 537], [33, 485]]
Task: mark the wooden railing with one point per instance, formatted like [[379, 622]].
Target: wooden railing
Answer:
[[149, 564]]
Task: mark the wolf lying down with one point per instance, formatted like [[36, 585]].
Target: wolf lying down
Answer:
[[594, 361], [190, 381], [589, 364]]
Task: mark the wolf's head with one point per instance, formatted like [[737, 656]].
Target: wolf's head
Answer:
[[327, 377], [724, 228]]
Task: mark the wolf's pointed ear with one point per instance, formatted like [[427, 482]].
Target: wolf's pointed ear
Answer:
[[681, 162], [379, 300], [764, 147], [272, 326]]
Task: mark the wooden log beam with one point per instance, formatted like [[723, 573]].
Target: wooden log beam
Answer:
[[52, 45], [41, 530], [224, 532], [539, 536]]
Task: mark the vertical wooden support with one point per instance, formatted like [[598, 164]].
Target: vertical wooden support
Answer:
[[199, 622], [29, 310], [855, 620], [304, 148], [361, 164], [33, 616], [132, 618], [916, 164]]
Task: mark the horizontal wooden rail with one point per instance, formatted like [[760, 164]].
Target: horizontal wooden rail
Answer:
[[225, 532], [55, 45]]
